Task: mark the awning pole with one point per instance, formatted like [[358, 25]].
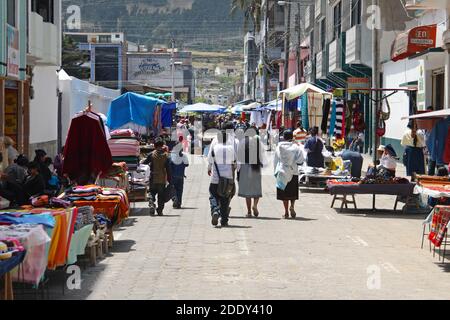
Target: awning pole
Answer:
[[283, 108], [375, 79]]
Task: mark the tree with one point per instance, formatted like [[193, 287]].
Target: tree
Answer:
[[73, 59], [252, 10]]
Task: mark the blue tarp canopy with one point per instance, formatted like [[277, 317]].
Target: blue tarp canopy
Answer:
[[275, 105], [167, 114], [203, 108], [132, 107]]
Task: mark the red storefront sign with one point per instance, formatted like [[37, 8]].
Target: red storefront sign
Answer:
[[414, 41]]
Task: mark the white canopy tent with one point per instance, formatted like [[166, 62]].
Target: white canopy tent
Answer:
[[75, 96], [301, 89]]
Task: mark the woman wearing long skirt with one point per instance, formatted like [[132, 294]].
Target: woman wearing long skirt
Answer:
[[414, 143], [288, 157], [251, 159]]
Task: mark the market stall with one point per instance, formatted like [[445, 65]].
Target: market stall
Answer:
[[344, 189], [307, 97]]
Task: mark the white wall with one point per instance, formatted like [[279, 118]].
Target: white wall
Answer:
[[75, 96], [394, 74], [44, 106]]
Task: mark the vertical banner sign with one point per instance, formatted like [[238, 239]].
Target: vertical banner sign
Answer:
[[421, 97], [13, 52]]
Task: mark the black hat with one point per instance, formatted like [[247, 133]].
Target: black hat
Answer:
[[40, 153], [389, 148]]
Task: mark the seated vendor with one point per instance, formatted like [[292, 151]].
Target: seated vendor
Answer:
[[314, 147], [388, 161], [35, 183]]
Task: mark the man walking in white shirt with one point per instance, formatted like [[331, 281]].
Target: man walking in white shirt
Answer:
[[222, 164]]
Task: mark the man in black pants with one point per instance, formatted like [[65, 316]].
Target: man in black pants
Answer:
[[159, 162], [222, 164]]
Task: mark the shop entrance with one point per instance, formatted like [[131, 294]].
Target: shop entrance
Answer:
[[12, 110], [438, 90]]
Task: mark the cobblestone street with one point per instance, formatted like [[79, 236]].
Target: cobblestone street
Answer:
[[321, 255]]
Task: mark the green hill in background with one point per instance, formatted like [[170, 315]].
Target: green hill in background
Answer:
[[194, 24]]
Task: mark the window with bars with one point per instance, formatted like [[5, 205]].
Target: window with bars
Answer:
[[356, 12], [337, 20], [323, 34]]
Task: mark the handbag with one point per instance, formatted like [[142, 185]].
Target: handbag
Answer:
[[169, 193], [227, 187]]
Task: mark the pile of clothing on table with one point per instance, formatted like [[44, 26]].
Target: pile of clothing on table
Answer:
[[125, 147], [85, 217], [382, 179], [80, 193]]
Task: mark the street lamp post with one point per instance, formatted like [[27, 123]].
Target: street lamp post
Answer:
[[173, 70]]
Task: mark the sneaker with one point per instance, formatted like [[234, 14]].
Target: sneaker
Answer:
[[224, 224], [160, 213], [152, 209], [215, 219]]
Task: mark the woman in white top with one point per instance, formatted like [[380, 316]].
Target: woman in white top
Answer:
[[414, 143]]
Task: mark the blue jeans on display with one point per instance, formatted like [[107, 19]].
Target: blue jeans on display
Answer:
[[178, 183], [218, 204]]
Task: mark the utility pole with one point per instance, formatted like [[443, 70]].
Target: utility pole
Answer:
[[375, 79], [265, 44], [173, 69], [447, 60], [299, 45], [287, 40]]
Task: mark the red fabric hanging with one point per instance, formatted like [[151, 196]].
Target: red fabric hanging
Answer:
[[86, 152]]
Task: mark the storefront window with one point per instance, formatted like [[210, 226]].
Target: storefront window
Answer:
[[44, 8], [12, 13]]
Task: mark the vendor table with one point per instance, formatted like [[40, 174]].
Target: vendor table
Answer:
[[318, 180], [433, 192], [110, 208], [351, 189], [6, 267], [34, 239]]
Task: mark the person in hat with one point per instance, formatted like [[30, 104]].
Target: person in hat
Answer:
[[44, 170], [11, 150], [414, 142], [389, 161]]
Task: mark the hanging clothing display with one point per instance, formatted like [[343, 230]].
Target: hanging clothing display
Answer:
[[339, 129], [86, 152], [304, 111], [437, 141], [332, 120], [326, 114], [447, 148], [315, 111]]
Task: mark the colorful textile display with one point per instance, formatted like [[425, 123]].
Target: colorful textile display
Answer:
[[34, 240], [124, 147], [439, 225], [304, 111], [332, 119], [339, 129], [438, 140]]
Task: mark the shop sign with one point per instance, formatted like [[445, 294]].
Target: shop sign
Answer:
[[13, 52], [414, 41], [358, 84]]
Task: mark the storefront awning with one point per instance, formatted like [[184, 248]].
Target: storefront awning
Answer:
[[301, 89], [430, 115], [414, 41]]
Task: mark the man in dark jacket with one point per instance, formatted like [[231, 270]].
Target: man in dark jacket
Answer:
[[159, 162]]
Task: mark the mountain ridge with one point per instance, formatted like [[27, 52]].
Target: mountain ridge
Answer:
[[194, 24]]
